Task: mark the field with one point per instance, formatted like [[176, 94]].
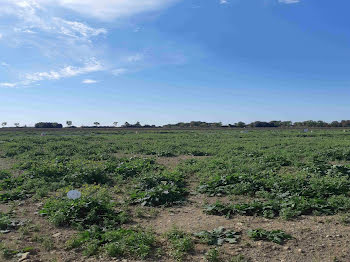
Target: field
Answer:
[[162, 195]]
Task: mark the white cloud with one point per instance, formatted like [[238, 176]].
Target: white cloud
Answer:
[[7, 84], [135, 58], [75, 29], [68, 71], [89, 81], [222, 2], [65, 72], [1, 35], [110, 9], [119, 71], [289, 1]]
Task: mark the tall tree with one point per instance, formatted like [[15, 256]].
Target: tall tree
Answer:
[[96, 123], [115, 124], [69, 123], [4, 124], [16, 124]]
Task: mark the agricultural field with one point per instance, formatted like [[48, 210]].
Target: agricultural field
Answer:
[[162, 195]]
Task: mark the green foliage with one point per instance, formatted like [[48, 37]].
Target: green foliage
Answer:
[[213, 255], [5, 221], [91, 209], [181, 243], [159, 189], [135, 166], [121, 242], [7, 253], [218, 236], [276, 236]]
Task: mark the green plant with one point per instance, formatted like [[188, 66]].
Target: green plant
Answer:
[[276, 236], [181, 243], [212, 255], [90, 209], [159, 189], [121, 242], [218, 236]]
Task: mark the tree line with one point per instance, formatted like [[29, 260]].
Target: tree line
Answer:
[[198, 124]]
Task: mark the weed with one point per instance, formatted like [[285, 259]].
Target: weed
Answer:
[[90, 209], [181, 243], [276, 236], [212, 255], [218, 236]]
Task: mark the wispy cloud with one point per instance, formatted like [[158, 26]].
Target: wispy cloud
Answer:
[[134, 58], [59, 41], [5, 84], [89, 81], [0, 35], [65, 72], [223, 2], [289, 1], [110, 9], [119, 71]]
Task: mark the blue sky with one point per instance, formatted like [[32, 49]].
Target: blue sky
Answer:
[[166, 61]]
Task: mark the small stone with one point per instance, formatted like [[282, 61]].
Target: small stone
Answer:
[[300, 250], [56, 235], [286, 248], [24, 257]]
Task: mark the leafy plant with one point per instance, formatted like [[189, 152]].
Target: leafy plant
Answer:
[[218, 236], [181, 243], [159, 189], [90, 209], [135, 243], [212, 255], [276, 236]]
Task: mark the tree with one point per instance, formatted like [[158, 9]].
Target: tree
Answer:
[[96, 123], [69, 123], [126, 124], [137, 124], [4, 124], [16, 124], [240, 124], [48, 125], [115, 124]]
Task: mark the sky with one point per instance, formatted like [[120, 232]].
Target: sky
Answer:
[[169, 61]]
